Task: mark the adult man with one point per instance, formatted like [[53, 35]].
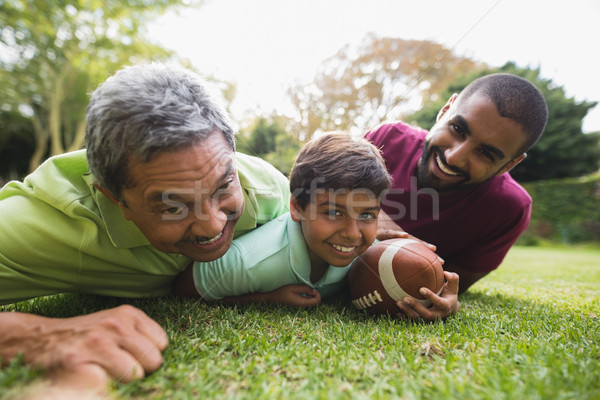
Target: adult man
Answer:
[[452, 187], [163, 188]]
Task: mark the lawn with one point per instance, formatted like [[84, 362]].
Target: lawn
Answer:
[[530, 330]]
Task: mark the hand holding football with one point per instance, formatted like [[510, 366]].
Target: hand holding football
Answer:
[[392, 269]]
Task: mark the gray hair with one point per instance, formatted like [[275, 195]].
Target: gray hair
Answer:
[[144, 110]]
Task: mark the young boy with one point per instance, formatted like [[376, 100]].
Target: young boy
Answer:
[[336, 185]]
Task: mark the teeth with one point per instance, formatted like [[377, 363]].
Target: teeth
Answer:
[[443, 167], [343, 248], [209, 241]]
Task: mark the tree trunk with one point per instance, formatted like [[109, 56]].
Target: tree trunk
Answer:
[[41, 144], [79, 137], [54, 121]]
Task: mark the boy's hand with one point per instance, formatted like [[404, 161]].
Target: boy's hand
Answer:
[[296, 295], [442, 306]]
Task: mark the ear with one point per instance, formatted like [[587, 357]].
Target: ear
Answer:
[[512, 163], [112, 198], [295, 210], [446, 107]]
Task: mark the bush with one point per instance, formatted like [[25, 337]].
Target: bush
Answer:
[[564, 210]]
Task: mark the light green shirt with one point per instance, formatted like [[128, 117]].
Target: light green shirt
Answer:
[[263, 260], [59, 234]]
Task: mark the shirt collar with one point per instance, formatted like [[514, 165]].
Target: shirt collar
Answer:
[[122, 232]]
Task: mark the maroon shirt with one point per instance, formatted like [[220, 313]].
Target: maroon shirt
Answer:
[[472, 228]]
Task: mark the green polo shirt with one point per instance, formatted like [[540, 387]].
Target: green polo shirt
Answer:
[[59, 234], [265, 259]]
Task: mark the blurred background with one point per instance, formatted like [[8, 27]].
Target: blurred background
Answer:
[[290, 69]]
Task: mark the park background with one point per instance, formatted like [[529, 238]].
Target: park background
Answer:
[[288, 70]]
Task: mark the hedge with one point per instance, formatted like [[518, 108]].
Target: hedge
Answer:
[[564, 210]]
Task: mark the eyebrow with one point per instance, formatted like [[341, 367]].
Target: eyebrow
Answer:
[[465, 126], [183, 195], [327, 203]]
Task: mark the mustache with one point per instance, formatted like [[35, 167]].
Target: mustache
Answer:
[[434, 150]]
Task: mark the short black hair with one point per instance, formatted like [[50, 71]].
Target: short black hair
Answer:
[[338, 161], [515, 98]]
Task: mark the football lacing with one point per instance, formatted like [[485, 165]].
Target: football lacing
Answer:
[[367, 300]]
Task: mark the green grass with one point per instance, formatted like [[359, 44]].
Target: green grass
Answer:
[[530, 330]]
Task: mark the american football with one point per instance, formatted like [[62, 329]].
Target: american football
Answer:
[[390, 270]]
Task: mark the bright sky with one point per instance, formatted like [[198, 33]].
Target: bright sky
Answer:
[[266, 45]]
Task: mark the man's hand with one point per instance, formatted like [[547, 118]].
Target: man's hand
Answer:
[[86, 351], [442, 306]]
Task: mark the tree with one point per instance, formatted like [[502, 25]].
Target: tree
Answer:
[[269, 139], [563, 150], [56, 52], [382, 78]]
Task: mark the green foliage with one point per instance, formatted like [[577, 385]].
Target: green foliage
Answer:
[[563, 151], [527, 331], [56, 52], [364, 85], [565, 210], [270, 140]]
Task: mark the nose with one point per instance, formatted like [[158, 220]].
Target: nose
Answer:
[[456, 155], [208, 220], [351, 230]]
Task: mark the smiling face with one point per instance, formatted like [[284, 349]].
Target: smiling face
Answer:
[[469, 144], [337, 225], [187, 201]]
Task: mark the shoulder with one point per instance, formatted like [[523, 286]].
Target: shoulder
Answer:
[[256, 173], [397, 138], [396, 131], [266, 192], [264, 250], [60, 181], [508, 193]]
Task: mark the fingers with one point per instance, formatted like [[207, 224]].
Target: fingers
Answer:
[[451, 286], [440, 306], [310, 301], [308, 296], [87, 377], [122, 341], [303, 289], [151, 330], [385, 234]]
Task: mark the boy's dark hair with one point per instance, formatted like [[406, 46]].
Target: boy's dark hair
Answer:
[[515, 98], [337, 161]]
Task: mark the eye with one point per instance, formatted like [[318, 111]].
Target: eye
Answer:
[[368, 216], [226, 187], [174, 211], [457, 129], [333, 213], [489, 156]]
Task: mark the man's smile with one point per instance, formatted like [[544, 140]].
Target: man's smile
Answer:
[[443, 167]]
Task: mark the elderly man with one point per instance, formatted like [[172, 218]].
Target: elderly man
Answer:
[[158, 186]]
